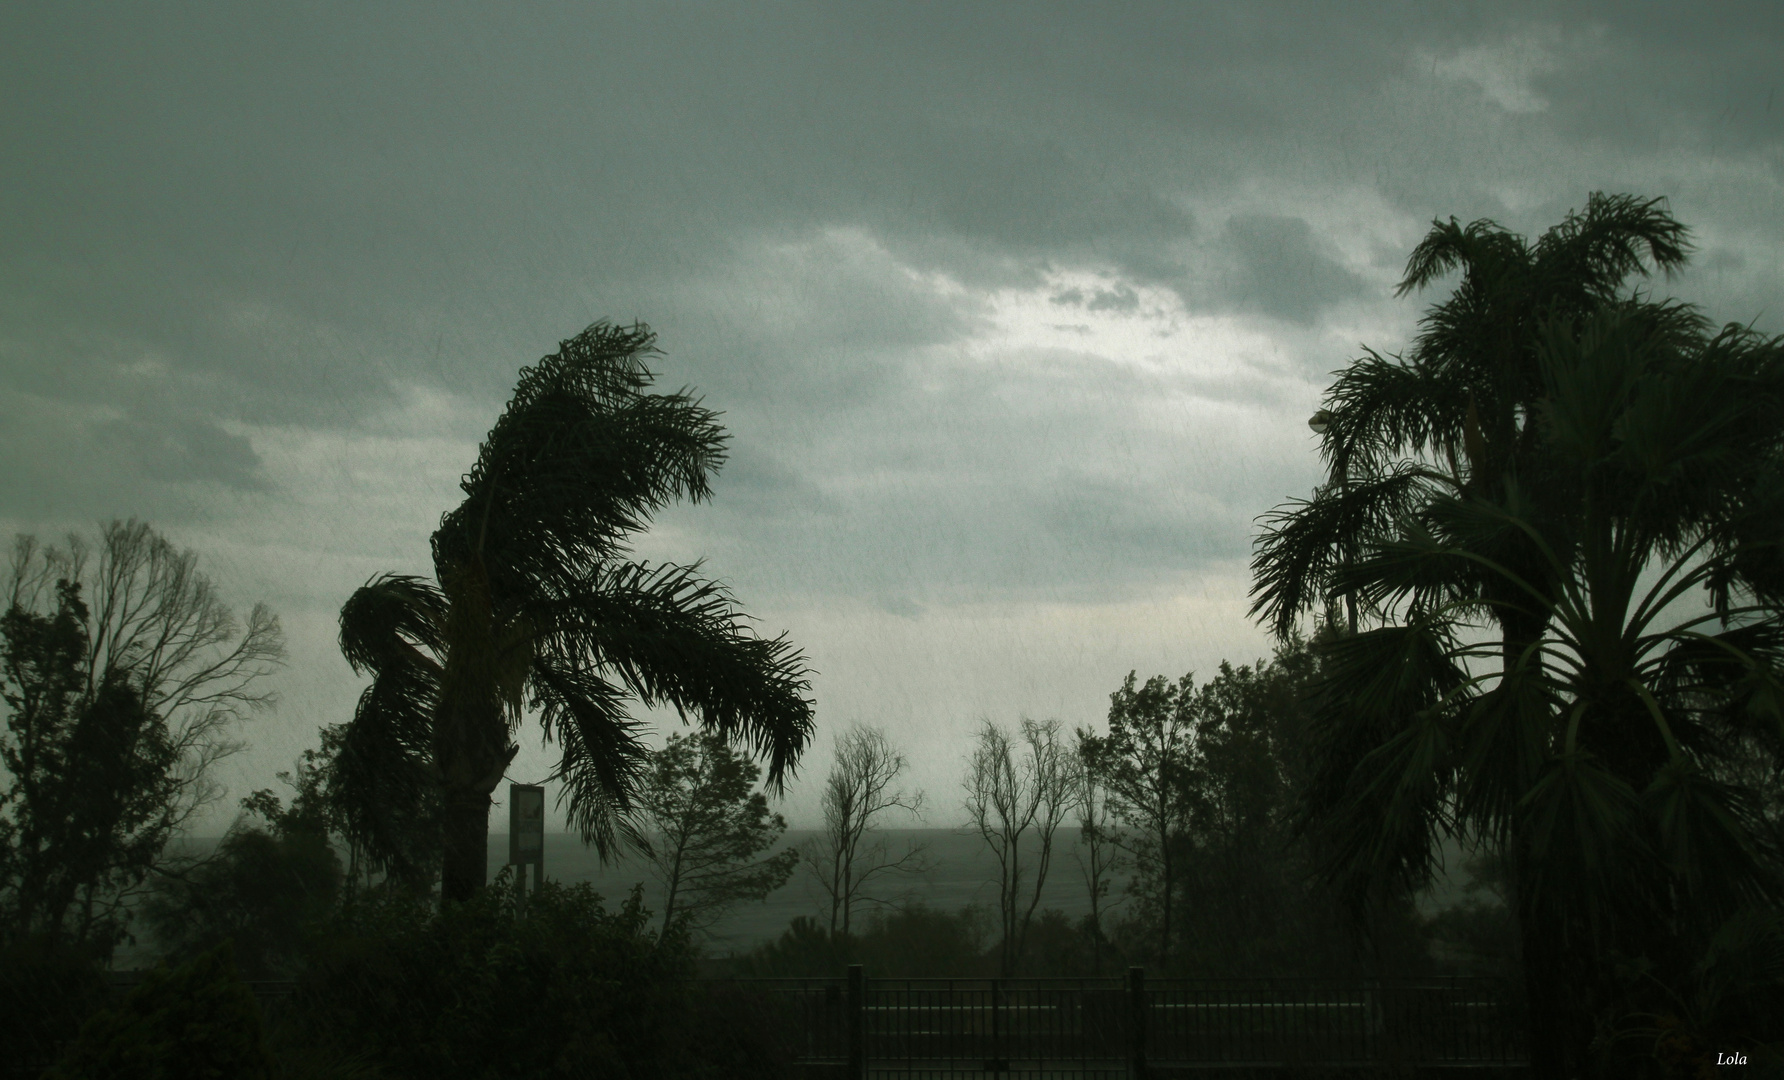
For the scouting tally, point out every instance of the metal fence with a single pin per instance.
(1097, 1028)
(1085, 1029)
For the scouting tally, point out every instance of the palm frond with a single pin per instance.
(1379, 754)
(1710, 836)
(1481, 247)
(1382, 409)
(1581, 827)
(1506, 736)
(384, 619)
(676, 639)
(381, 768)
(1302, 545)
(602, 757)
(1596, 250)
(580, 459)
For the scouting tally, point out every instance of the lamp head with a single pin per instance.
(1320, 421)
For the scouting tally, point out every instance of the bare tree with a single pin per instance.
(858, 794)
(125, 676)
(1099, 855)
(1009, 791)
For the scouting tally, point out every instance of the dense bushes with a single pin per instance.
(915, 941)
(198, 1021)
(47, 991)
(478, 990)
(269, 892)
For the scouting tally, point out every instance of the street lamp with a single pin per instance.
(1321, 422)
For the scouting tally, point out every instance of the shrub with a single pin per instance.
(194, 1022)
(479, 990)
(47, 991)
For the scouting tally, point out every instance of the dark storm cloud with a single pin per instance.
(290, 217)
(428, 193)
(399, 191)
(1701, 77)
(1277, 267)
(267, 274)
(180, 448)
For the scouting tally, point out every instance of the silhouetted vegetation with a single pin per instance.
(195, 1020)
(860, 792)
(1596, 480)
(474, 989)
(534, 604)
(705, 827)
(123, 673)
(1016, 787)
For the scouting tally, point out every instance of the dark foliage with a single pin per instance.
(198, 1021)
(47, 991)
(910, 942)
(270, 890)
(91, 799)
(536, 604)
(571, 989)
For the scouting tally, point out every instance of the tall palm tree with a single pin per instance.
(535, 604)
(1602, 757)
(1457, 417)
(1455, 414)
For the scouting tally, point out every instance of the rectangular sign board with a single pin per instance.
(526, 824)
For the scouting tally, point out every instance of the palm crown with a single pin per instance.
(535, 604)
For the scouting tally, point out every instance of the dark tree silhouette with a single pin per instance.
(1549, 442)
(536, 604)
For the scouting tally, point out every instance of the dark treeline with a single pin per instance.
(1547, 596)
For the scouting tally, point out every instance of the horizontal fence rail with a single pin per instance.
(1125, 1027)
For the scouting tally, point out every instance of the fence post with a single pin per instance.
(857, 1023)
(1136, 1023)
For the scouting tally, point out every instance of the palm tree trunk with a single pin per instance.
(1544, 995)
(465, 860)
(1539, 944)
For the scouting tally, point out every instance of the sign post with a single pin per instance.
(526, 834)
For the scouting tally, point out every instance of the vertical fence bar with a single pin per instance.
(857, 1006)
(1136, 1023)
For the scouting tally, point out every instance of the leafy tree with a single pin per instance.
(269, 890)
(535, 604)
(706, 826)
(1145, 761)
(1011, 791)
(1596, 757)
(117, 713)
(321, 806)
(858, 794)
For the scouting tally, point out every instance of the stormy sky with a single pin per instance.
(1015, 312)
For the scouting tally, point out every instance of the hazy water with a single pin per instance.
(962, 872)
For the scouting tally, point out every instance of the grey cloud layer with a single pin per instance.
(235, 217)
(1015, 311)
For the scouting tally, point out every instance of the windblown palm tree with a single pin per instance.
(1457, 448)
(1600, 759)
(535, 604)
